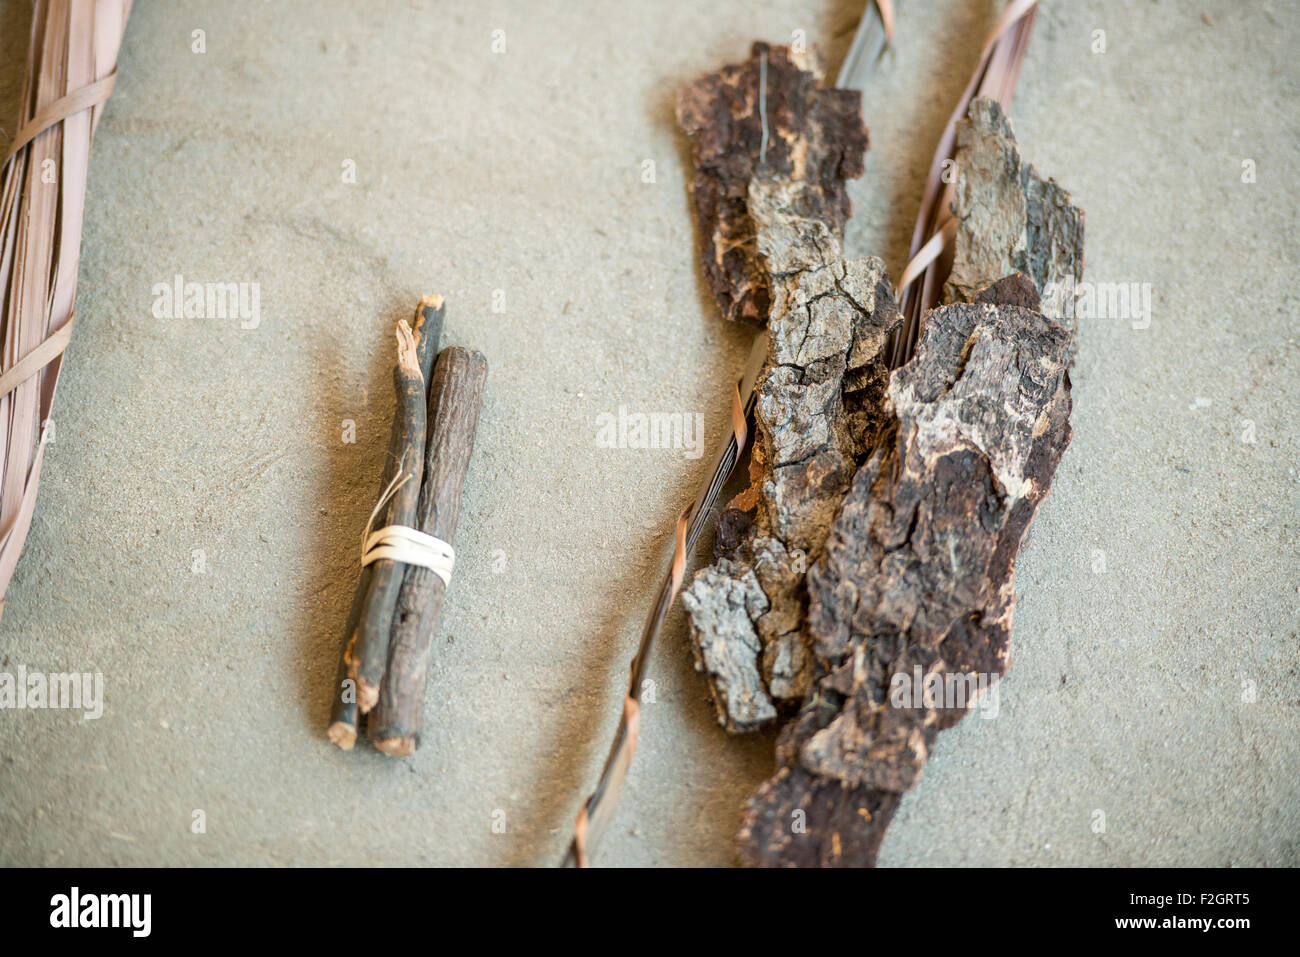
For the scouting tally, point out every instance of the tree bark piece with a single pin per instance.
(724, 602)
(370, 617)
(910, 506)
(455, 396)
(819, 409)
(1010, 219)
(769, 119)
(917, 578)
(772, 151)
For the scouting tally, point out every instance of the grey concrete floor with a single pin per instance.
(1155, 647)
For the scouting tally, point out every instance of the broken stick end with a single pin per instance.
(367, 695)
(402, 747)
(407, 359)
(343, 734)
(427, 325)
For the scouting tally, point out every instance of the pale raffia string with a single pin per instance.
(403, 544)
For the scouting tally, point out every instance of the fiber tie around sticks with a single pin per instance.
(401, 543)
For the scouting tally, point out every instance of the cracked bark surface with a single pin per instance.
(878, 536)
(917, 573)
(771, 212)
(1010, 219)
(916, 582)
(768, 123)
(819, 409)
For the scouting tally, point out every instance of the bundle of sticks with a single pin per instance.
(406, 563)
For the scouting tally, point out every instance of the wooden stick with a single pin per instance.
(343, 713)
(370, 656)
(365, 649)
(454, 399)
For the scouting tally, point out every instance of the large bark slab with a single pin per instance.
(917, 573)
(915, 586)
(772, 150)
(878, 536)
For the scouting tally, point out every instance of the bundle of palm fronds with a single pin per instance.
(71, 66)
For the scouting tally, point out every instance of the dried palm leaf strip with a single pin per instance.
(921, 282)
(597, 810)
(72, 59)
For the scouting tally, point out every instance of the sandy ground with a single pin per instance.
(197, 534)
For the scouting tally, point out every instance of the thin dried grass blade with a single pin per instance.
(995, 76)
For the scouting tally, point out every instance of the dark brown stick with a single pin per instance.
(370, 655)
(343, 713)
(454, 399)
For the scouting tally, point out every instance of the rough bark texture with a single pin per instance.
(1010, 219)
(908, 507)
(771, 216)
(455, 395)
(769, 120)
(819, 410)
(917, 573)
